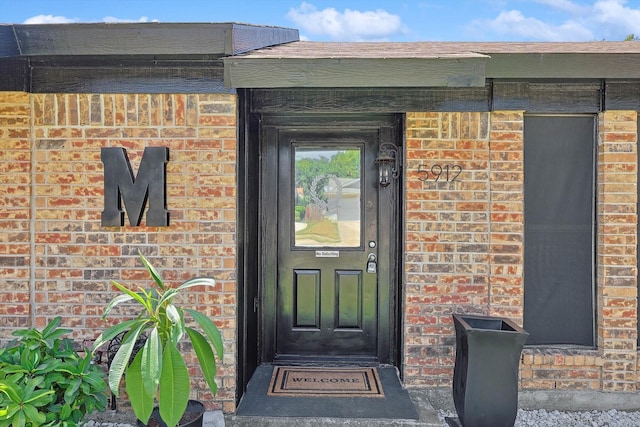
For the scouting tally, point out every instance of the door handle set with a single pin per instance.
(372, 263)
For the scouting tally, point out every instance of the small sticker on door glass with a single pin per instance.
(327, 254)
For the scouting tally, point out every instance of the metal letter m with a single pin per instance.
(121, 185)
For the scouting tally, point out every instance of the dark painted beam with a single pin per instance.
(140, 39)
(14, 74)
(355, 72)
(370, 100)
(547, 96)
(564, 66)
(622, 95)
(140, 79)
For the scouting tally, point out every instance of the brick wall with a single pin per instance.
(15, 211)
(617, 262)
(74, 256)
(464, 248)
(463, 238)
(447, 236)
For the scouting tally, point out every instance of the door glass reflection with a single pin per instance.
(327, 197)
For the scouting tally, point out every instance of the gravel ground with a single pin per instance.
(543, 418)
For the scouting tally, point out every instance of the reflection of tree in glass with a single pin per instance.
(317, 167)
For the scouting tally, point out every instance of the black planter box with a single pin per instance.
(485, 376)
(193, 416)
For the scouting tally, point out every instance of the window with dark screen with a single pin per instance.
(559, 209)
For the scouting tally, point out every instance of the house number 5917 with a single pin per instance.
(437, 172)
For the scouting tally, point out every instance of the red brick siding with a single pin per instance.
(15, 211)
(75, 257)
(464, 248)
(617, 298)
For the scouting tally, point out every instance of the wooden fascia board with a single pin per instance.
(564, 65)
(120, 39)
(246, 38)
(354, 72)
(164, 39)
(8, 43)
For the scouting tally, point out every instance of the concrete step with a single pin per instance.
(427, 418)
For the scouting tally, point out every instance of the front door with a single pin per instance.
(328, 299)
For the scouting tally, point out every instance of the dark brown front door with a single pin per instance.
(327, 297)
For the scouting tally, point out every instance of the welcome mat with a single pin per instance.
(326, 381)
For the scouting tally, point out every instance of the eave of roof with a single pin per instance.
(425, 64)
(131, 39)
(273, 57)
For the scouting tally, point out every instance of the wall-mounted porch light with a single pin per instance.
(387, 161)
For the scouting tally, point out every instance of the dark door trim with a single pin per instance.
(388, 125)
(254, 342)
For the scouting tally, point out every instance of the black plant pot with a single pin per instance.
(485, 375)
(193, 416)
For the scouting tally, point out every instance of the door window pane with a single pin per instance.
(327, 202)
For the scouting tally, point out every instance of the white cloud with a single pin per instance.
(113, 19)
(350, 25)
(565, 6)
(514, 23)
(599, 20)
(617, 19)
(49, 19)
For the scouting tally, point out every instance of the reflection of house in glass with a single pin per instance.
(344, 202)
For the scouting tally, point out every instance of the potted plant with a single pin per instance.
(158, 371)
(44, 381)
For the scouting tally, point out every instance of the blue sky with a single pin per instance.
(363, 20)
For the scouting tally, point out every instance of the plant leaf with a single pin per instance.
(54, 323)
(205, 357)
(122, 298)
(197, 281)
(141, 403)
(33, 415)
(12, 391)
(18, 419)
(114, 331)
(152, 271)
(174, 386)
(115, 301)
(122, 357)
(151, 363)
(71, 392)
(210, 329)
(173, 314)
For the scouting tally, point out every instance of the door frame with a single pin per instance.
(256, 340)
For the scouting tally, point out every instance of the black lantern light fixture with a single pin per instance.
(387, 161)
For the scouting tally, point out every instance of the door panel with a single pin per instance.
(326, 300)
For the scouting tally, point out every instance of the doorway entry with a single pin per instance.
(330, 239)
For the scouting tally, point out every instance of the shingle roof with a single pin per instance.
(427, 64)
(309, 50)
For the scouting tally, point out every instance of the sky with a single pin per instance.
(363, 20)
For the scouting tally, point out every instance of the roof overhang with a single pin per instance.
(457, 70)
(150, 38)
(427, 64)
(148, 56)
(201, 57)
(597, 65)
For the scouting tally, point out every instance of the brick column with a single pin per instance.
(447, 236)
(506, 233)
(15, 207)
(617, 259)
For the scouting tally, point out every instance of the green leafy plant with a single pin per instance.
(158, 370)
(45, 382)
